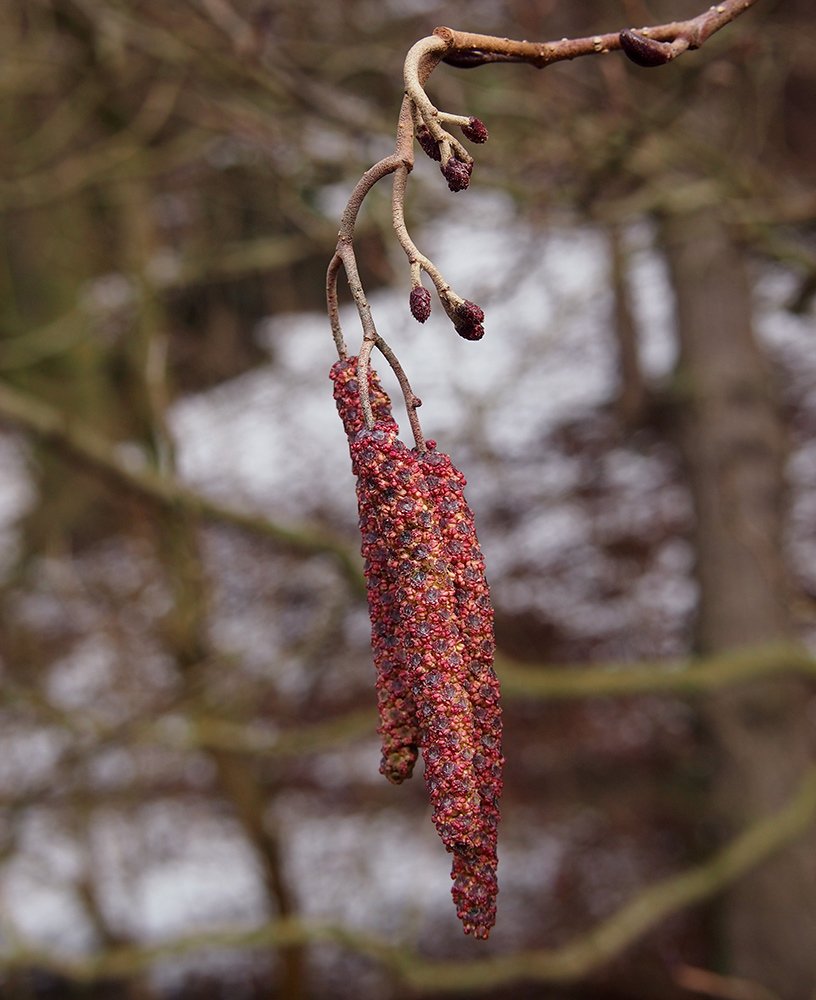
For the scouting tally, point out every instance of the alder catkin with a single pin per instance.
(429, 145)
(398, 728)
(475, 130)
(421, 604)
(432, 638)
(468, 321)
(475, 883)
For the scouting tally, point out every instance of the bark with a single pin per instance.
(632, 396)
(732, 437)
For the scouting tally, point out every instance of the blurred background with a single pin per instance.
(189, 797)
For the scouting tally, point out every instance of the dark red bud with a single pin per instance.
(469, 312)
(475, 130)
(420, 303)
(457, 174)
(468, 321)
(645, 51)
(428, 143)
(471, 331)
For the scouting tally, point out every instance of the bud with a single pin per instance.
(457, 174)
(469, 312)
(475, 130)
(468, 321)
(645, 51)
(428, 143)
(420, 303)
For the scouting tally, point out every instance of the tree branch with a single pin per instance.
(675, 677)
(648, 46)
(83, 444)
(466, 50)
(570, 963)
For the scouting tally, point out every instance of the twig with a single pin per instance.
(648, 46)
(681, 35)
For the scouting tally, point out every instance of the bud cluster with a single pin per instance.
(456, 164)
(457, 173)
(432, 637)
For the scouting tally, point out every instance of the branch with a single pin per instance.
(649, 46)
(419, 119)
(523, 683)
(80, 442)
(677, 677)
(570, 963)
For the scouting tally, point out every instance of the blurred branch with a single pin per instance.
(238, 259)
(83, 444)
(677, 677)
(525, 682)
(74, 172)
(262, 740)
(710, 984)
(570, 963)
(632, 392)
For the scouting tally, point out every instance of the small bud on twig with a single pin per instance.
(420, 303)
(429, 145)
(475, 130)
(468, 321)
(457, 174)
(645, 51)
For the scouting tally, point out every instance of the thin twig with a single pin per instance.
(412, 401)
(649, 46)
(447, 296)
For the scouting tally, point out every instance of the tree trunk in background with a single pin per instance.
(733, 442)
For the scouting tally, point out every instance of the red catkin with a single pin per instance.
(432, 638)
(429, 145)
(468, 321)
(398, 728)
(457, 173)
(422, 605)
(474, 872)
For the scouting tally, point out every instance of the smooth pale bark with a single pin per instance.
(732, 437)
